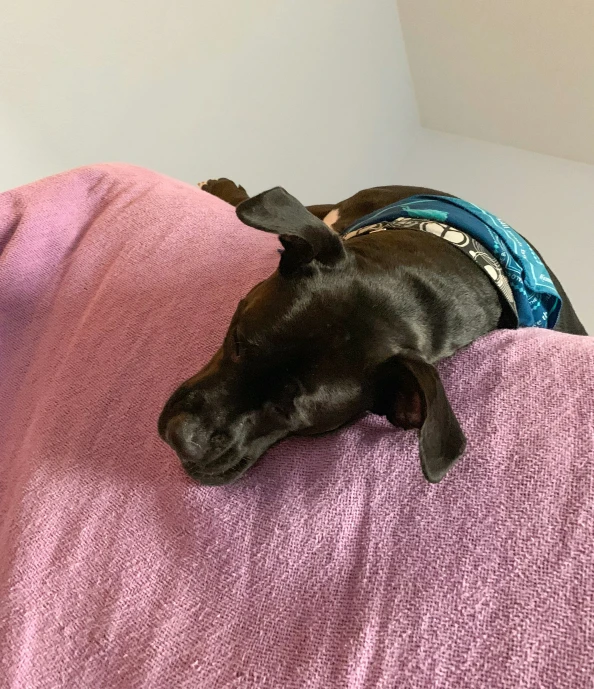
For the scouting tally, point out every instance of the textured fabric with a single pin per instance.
(537, 301)
(332, 564)
(467, 244)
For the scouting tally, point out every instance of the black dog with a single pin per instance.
(340, 329)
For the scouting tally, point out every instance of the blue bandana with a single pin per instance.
(538, 302)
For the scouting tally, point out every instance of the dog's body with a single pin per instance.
(342, 215)
(340, 329)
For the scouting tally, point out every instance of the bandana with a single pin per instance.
(506, 257)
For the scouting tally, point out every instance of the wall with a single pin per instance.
(548, 200)
(312, 95)
(513, 72)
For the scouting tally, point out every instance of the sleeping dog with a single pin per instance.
(348, 324)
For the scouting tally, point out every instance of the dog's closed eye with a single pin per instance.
(238, 346)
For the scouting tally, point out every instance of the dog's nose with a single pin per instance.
(195, 443)
(186, 437)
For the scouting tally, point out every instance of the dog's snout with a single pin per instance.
(195, 443)
(185, 399)
(183, 403)
(185, 436)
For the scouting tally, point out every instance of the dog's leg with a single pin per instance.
(226, 190)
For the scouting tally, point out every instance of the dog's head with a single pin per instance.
(309, 349)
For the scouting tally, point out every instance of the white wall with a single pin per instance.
(548, 200)
(514, 72)
(309, 94)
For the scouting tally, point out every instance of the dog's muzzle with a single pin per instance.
(209, 455)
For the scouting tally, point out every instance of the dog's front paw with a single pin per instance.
(225, 189)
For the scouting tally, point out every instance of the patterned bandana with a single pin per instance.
(510, 261)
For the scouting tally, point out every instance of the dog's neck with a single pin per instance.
(430, 297)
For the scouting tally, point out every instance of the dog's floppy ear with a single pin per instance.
(303, 236)
(410, 394)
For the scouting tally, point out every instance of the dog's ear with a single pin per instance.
(303, 236)
(410, 394)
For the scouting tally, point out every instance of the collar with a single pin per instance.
(467, 244)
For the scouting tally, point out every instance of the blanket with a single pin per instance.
(332, 563)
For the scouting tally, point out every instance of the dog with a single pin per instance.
(340, 329)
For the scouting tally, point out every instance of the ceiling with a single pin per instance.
(514, 72)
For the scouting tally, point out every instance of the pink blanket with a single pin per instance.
(333, 564)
